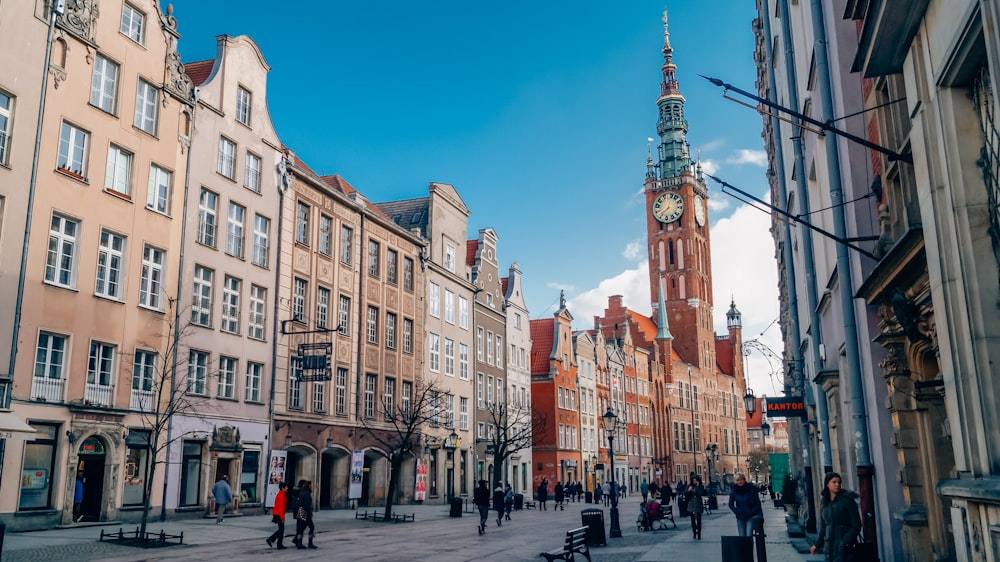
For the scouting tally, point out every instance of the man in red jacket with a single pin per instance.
(278, 516)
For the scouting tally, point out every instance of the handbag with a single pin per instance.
(300, 514)
(856, 551)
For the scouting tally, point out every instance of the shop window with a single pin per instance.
(191, 474)
(39, 463)
(248, 478)
(136, 467)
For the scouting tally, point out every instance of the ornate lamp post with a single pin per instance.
(450, 444)
(610, 421)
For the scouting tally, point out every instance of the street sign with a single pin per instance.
(786, 407)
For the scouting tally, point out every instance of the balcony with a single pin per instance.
(46, 389)
(141, 400)
(98, 394)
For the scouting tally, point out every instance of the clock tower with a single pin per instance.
(677, 227)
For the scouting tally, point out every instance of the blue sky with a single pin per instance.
(538, 113)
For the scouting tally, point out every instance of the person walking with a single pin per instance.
(839, 521)
(744, 502)
(508, 502)
(543, 493)
(644, 489)
(481, 497)
(223, 495)
(597, 494)
(499, 498)
(606, 492)
(560, 495)
(304, 517)
(278, 516)
(681, 499)
(694, 495)
(78, 497)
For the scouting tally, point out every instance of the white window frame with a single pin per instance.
(299, 289)
(74, 143)
(251, 172)
(258, 313)
(151, 280)
(133, 23)
(463, 413)
(6, 120)
(226, 387)
(227, 158)
(370, 385)
(118, 173)
(407, 335)
(343, 313)
(61, 257)
(235, 229)
(346, 243)
(110, 265)
(371, 318)
(302, 212)
(463, 361)
(104, 84)
(341, 391)
(434, 347)
(391, 321)
(197, 372)
(449, 357)
(388, 396)
(434, 299)
(325, 234)
(255, 372)
(231, 287)
(449, 257)
(158, 193)
(146, 96)
(243, 102)
(449, 306)
(463, 313)
(201, 296)
(322, 307)
(53, 363)
(261, 234)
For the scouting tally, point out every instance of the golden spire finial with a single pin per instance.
(666, 32)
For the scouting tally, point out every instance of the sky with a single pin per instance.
(539, 114)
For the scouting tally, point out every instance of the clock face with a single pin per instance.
(668, 207)
(699, 210)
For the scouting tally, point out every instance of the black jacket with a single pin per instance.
(839, 524)
(481, 496)
(306, 503)
(745, 502)
(498, 498)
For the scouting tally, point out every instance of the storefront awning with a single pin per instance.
(11, 427)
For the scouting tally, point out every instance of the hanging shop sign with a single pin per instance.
(786, 407)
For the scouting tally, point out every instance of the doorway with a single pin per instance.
(91, 467)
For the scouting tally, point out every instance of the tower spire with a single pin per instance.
(672, 127)
(669, 85)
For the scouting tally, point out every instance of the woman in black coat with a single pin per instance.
(543, 493)
(839, 521)
(499, 498)
(696, 506)
(306, 505)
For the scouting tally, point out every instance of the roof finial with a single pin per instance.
(666, 33)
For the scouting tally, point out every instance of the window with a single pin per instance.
(295, 388)
(227, 377)
(104, 84)
(191, 469)
(251, 176)
(463, 413)
(341, 390)
(463, 361)
(143, 371)
(372, 320)
(373, 255)
(346, 241)
(390, 330)
(322, 307)
(145, 107)
(449, 357)
(434, 299)
(261, 228)
(388, 394)
(258, 298)
(370, 381)
(479, 391)
(405, 399)
(434, 346)
(449, 306)
(517, 321)
(248, 478)
(463, 312)
(110, 259)
(60, 260)
(39, 463)
(319, 396)
(302, 223)
(6, 110)
(118, 174)
(243, 105)
(449, 258)
(499, 344)
(201, 298)
(408, 275)
(73, 145)
(234, 230)
(299, 300)
(489, 390)
(479, 344)
(207, 208)
(151, 283)
(407, 335)
(231, 304)
(50, 357)
(227, 157)
(325, 234)
(158, 194)
(136, 465)
(197, 373)
(344, 314)
(255, 372)
(391, 266)
(132, 23)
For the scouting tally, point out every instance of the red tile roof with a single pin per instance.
(503, 284)
(754, 420)
(724, 355)
(471, 247)
(542, 335)
(199, 71)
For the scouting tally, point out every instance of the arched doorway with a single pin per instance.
(335, 478)
(373, 483)
(91, 467)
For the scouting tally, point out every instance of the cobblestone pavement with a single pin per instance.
(434, 536)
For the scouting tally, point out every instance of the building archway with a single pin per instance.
(375, 479)
(91, 467)
(335, 478)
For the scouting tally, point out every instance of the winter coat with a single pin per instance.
(280, 501)
(543, 492)
(481, 496)
(694, 496)
(559, 493)
(306, 503)
(839, 524)
(745, 503)
(499, 496)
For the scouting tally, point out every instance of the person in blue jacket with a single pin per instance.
(744, 501)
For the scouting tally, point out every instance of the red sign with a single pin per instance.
(787, 407)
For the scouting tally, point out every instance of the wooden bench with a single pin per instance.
(375, 515)
(530, 504)
(576, 541)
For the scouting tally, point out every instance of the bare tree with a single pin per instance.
(509, 430)
(162, 387)
(400, 430)
(759, 462)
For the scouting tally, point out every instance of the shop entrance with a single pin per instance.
(91, 467)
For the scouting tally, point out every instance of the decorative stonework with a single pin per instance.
(80, 19)
(227, 439)
(178, 83)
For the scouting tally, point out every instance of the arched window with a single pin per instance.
(670, 250)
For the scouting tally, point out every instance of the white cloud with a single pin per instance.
(709, 166)
(747, 156)
(633, 250)
(743, 270)
(561, 286)
(719, 203)
(711, 145)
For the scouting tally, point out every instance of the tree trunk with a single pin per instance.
(394, 466)
(150, 473)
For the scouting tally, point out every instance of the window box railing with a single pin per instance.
(46, 389)
(98, 394)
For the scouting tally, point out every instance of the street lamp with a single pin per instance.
(450, 444)
(610, 421)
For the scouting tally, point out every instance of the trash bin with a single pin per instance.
(456, 507)
(593, 519)
(682, 506)
(588, 497)
(518, 502)
(737, 549)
